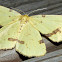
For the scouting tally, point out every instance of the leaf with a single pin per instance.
(49, 25)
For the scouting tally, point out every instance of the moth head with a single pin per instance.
(24, 18)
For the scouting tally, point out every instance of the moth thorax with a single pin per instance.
(24, 18)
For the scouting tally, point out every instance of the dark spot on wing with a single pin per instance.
(22, 42)
(1, 26)
(26, 21)
(41, 41)
(54, 32)
(21, 25)
(48, 35)
(20, 28)
(10, 10)
(43, 15)
(12, 39)
(9, 16)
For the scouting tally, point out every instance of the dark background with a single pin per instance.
(53, 6)
(54, 53)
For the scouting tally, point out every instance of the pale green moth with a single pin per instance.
(22, 31)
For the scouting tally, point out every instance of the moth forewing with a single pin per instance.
(7, 15)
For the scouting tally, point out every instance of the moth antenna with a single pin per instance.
(36, 10)
(18, 10)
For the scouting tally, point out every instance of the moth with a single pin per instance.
(23, 31)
